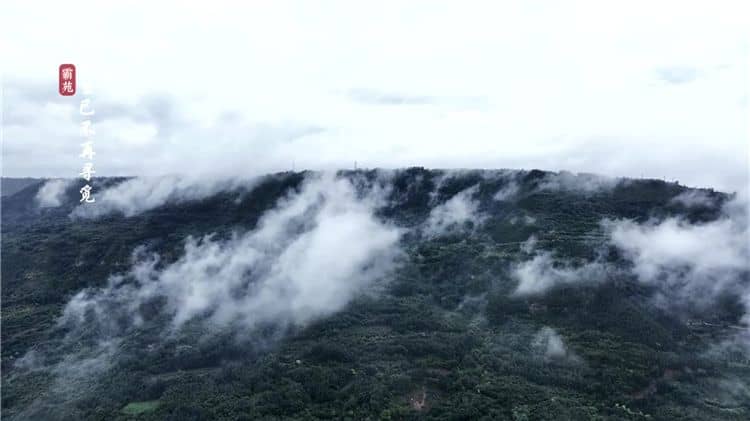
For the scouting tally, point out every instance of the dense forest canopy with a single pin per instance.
(375, 294)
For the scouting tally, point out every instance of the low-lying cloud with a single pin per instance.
(52, 193)
(694, 198)
(690, 263)
(544, 272)
(307, 259)
(507, 192)
(582, 183)
(453, 214)
(141, 194)
(693, 266)
(550, 345)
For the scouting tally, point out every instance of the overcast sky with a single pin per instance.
(655, 89)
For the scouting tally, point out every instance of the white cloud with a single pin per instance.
(438, 84)
(694, 198)
(543, 272)
(453, 214)
(550, 344)
(72, 378)
(529, 245)
(507, 192)
(580, 183)
(692, 265)
(689, 262)
(140, 194)
(52, 193)
(306, 259)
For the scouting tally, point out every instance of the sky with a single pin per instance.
(636, 89)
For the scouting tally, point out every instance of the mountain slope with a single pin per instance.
(373, 294)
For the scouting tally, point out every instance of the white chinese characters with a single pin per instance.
(87, 152)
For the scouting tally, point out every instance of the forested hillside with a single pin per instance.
(11, 185)
(375, 294)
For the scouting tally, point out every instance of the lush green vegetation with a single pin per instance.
(445, 340)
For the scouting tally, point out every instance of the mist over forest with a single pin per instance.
(376, 294)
